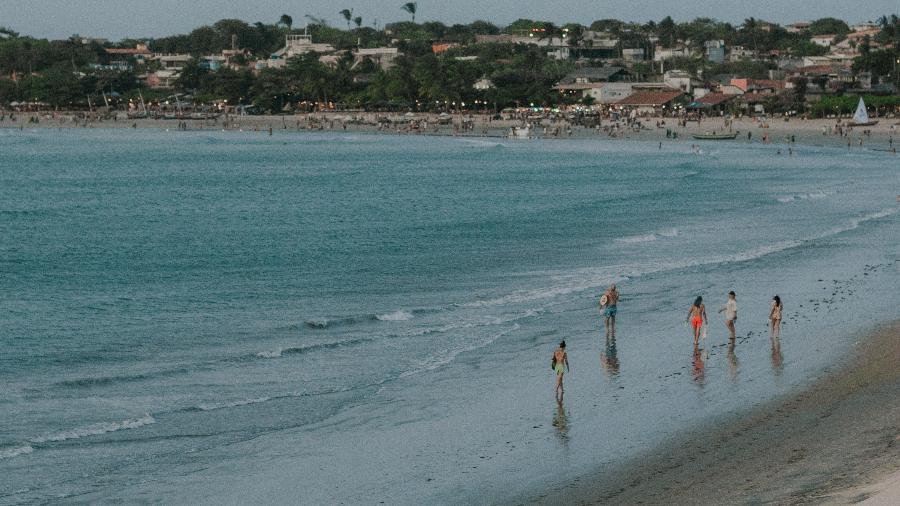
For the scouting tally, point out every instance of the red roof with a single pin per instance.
(820, 69)
(651, 98)
(715, 98)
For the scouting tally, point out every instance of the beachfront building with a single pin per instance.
(711, 104)
(590, 82)
(647, 102)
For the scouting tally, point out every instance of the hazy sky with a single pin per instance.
(116, 19)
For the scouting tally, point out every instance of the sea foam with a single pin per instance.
(96, 429)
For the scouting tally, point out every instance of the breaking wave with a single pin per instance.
(96, 430)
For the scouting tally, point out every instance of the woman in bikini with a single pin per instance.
(697, 317)
(775, 317)
(559, 359)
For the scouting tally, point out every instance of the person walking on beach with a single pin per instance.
(608, 306)
(730, 310)
(697, 317)
(559, 360)
(775, 317)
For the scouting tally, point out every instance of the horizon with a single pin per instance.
(56, 19)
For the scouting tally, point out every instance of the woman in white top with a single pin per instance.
(730, 309)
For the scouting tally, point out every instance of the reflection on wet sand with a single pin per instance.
(733, 364)
(609, 359)
(777, 357)
(699, 366)
(560, 421)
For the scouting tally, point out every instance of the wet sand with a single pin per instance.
(837, 442)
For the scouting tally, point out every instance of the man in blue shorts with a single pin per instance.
(608, 302)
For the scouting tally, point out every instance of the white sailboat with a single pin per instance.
(861, 117)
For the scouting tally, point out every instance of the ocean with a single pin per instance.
(319, 318)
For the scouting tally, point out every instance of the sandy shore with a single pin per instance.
(778, 132)
(837, 442)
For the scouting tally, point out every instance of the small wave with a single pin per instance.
(440, 361)
(636, 239)
(8, 453)
(296, 350)
(804, 196)
(482, 144)
(235, 404)
(396, 316)
(100, 381)
(327, 323)
(96, 430)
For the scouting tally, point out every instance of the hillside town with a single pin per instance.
(701, 68)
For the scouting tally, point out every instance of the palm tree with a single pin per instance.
(752, 26)
(358, 21)
(411, 7)
(348, 15)
(286, 21)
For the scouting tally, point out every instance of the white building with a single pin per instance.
(382, 56)
(823, 40)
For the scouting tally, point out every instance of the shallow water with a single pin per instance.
(233, 317)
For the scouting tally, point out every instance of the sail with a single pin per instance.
(861, 115)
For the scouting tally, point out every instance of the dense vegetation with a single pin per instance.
(69, 72)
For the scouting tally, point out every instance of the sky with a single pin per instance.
(118, 19)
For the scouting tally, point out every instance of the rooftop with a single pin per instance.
(650, 98)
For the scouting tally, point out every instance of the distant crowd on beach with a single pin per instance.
(696, 318)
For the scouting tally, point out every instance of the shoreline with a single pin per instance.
(776, 132)
(834, 442)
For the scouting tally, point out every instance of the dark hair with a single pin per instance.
(732, 293)
(777, 300)
(562, 344)
(698, 301)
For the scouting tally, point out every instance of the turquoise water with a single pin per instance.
(231, 317)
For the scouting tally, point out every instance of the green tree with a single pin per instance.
(286, 20)
(829, 26)
(347, 14)
(411, 8)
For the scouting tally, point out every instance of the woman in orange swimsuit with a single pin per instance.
(697, 317)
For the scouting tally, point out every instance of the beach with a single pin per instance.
(330, 316)
(836, 442)
(779, 132)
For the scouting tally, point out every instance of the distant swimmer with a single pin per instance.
(730, 310)
(697, 317)
(559, 360)
(775, 317)
(608, 306)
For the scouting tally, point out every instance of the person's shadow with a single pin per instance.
(777, 357)
(609, 358)
(734, 365)
(561, 421)
(698, 363)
